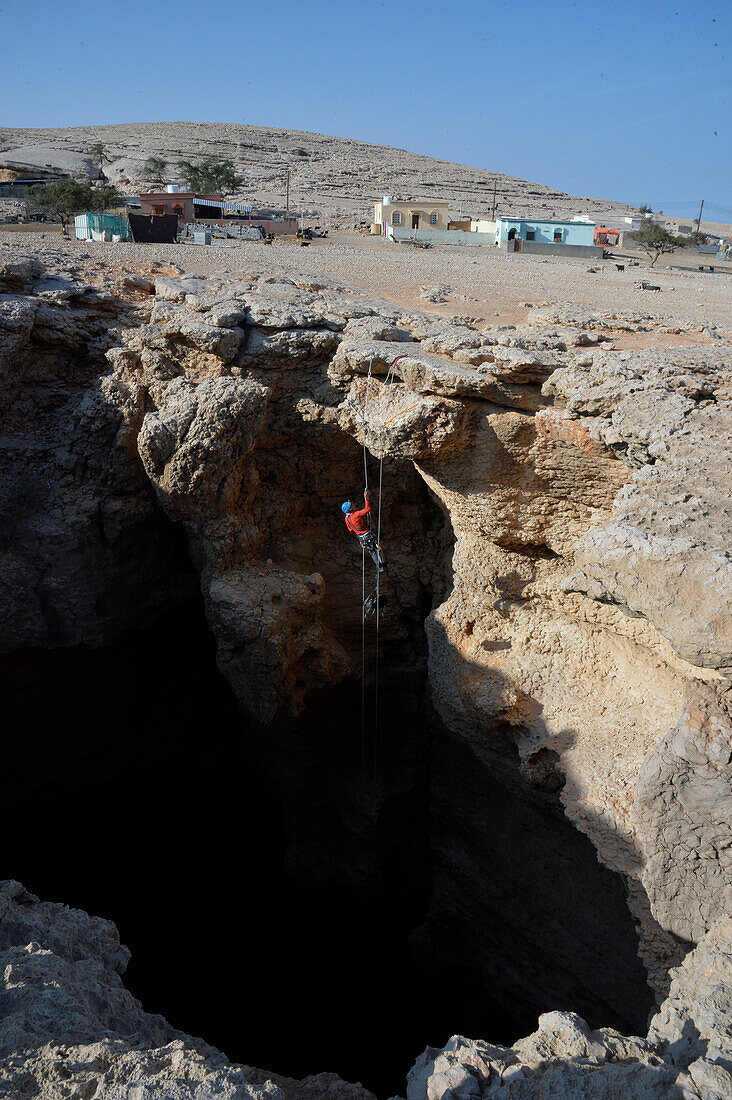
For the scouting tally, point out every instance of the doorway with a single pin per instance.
(415, 221)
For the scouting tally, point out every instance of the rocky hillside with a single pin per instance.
(556, 520)
(334, 178)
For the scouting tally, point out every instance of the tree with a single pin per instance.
(67, 197)
(154, 168)
(653, 239)
(99, 152)
(103, 197)
(211, 176)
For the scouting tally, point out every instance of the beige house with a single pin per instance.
(411, 214)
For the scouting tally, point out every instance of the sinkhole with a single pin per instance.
(303, 898)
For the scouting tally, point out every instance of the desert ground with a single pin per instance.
(483, 284)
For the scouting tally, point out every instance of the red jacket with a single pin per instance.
(355, 520)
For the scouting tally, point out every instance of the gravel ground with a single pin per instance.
(480, 282)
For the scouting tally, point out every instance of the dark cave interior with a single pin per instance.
(277, 894)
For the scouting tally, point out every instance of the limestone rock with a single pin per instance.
(194, 445)
(374, 328)
(84, 552)
(687, 1052)
(70, 1028)
(682, 808)
(665, 555)
(238, 413)
(693, 1024)
(272, 643)
(393, 420)
(428, 374)
(20, 274)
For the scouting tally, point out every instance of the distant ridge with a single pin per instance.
(332, 177)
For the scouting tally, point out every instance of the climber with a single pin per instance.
(356, 522)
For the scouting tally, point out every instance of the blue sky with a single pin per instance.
(623, 99)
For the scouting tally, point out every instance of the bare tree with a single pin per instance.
(654, 240)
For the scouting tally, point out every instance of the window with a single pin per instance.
(530, 234)
(396, 218)
(557, 236)
(433, 219)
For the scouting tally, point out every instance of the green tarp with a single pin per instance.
(110, 223)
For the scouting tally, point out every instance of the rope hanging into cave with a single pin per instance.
(389, 381)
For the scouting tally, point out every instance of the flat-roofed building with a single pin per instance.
(186, 204)
(544, 232)
(192, 208)
(411, 213)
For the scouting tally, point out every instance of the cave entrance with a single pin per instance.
(150, 806)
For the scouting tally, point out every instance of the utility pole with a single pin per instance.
(493, 211)
(287, 201)
(698, 220)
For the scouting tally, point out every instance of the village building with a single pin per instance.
(212, 210)
(411, 214)
(544, 232)
(624, 223)
(483, 225)
(185, 204)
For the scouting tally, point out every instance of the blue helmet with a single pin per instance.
(346, 506)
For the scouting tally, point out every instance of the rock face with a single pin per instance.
(683, 806)
(687, 1052)
(666, 553)
(85, 553)
(560, 515)
(69, 1028)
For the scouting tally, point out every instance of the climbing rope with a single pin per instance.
(362, 415)
(388, 384)
(363, 593)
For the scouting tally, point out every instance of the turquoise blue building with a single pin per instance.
(545, 232)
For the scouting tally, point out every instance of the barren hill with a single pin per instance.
(331, 177)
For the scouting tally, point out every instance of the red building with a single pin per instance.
(214, 210)
(182, 203)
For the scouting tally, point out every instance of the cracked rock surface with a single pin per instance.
(666, 553)
(580, 638)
